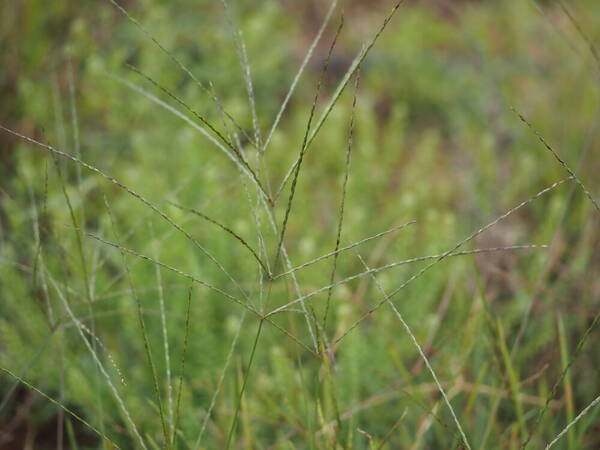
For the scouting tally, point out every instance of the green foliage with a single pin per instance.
(435, 142)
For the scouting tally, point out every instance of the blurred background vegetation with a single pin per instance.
(435, 141)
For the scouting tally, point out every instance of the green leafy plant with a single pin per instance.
(231, 225)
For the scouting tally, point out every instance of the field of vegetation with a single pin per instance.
(299, 224)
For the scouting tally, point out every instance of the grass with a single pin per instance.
(299, 225)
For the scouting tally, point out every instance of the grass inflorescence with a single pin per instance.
(199, 235)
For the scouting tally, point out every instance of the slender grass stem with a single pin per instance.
(244, 384)
(60, 405)
(144, 332)
(304, 146)
(182, 366)
(421, 353)
(343, 200)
